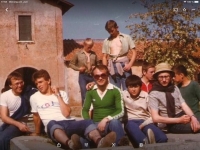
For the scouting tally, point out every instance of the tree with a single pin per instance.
(168, 35)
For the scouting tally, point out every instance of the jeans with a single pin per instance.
(119, 80)
(83, 80)
(181, 128)
(7, 134)
(114, 125)
(137, 136)
(81, 128)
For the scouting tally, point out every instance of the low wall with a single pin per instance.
(175, 142)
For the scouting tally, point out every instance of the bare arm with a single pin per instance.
(194, 122)
(159, 119)
(132, 60)
(65, 108)
(37, 122)
(186, 109)
(104, 59)
(134, 54)
(7, 119)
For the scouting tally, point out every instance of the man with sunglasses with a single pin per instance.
(107, 103)
(15, 107)
(167, 105)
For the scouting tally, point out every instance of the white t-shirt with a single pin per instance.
(8, 99)
(48, 107)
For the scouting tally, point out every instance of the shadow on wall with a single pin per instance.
(27, 73)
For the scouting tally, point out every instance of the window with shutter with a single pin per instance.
(25, 28)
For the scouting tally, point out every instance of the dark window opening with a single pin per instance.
(27, 73)
(25, 28)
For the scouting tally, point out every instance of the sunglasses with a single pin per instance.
(103, 76)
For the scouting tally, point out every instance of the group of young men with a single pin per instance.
(144, 107)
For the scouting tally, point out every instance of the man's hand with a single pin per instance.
(82, 69)
(184, 119)
(22, 127)
(102, 125)
(194, 124)
(90, 85)
(127, 67)
(55, 89)
(141, 126)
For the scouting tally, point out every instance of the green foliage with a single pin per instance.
(169, 36)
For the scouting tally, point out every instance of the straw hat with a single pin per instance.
(163, 67)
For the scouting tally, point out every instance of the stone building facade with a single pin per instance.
(31, 38)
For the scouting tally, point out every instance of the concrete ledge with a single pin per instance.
(175, 142)
(183, 137)
(32, 143)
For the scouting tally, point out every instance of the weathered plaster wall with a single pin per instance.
(45, 52)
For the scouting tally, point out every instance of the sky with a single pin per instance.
(87, 18)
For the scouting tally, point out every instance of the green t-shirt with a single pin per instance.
(110, 105)
(191, 95)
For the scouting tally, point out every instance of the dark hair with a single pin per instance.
(110, 24)
(133, 80)
(100, 67)
(41, 74)
(180, 69)
(14, 75)
(146, 66)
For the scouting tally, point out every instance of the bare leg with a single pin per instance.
(73, 143)
(60, 136)
(106, 141)
(95, 136)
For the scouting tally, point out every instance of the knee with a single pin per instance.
(162, 139)
(129, 124)
(50, 124)
(115, 123)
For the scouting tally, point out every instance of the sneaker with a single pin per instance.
(108, 140)
(75, 143)
(123, 141)
(151, 136)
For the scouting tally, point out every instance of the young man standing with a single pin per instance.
(15, 108)
(167, 105)
(190, 90)
(51, 106)
(107, 103)
(138, 122)
(115, 50)
(147, 76)
(83, 62)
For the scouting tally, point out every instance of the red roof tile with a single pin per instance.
(72, 46)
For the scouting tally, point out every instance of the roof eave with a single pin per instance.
(63, 4)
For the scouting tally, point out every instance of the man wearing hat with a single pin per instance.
(167, 105)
